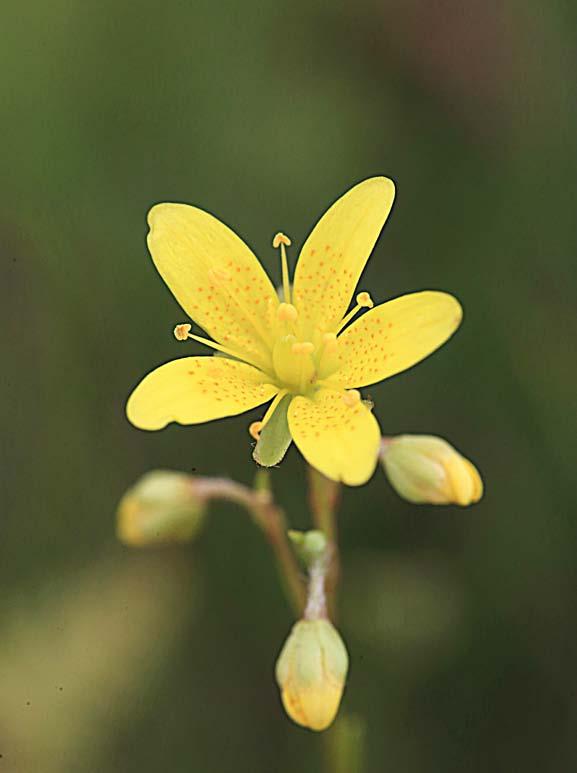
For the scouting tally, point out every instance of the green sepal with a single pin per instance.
(275, 438)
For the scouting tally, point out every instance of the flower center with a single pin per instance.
(299, 359)
(298, 364)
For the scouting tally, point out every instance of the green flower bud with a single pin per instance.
(311, 546)
(427, 469)
(311, 672)
(162, 507)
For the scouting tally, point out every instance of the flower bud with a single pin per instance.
(310, 546)
(427, 469)
(311, 671)
(161, 507)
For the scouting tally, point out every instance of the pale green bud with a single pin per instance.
(311, 672)
(427, 469)
(311, 545)
(161, 507)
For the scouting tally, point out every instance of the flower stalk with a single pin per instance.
(324, 497)
(344, 745)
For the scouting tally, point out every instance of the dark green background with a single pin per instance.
(461, 624)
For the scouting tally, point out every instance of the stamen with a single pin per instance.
(255, 429)
(303, 347)
(181, 331)
(286, 312)
(280, 240)
(272, 407)
(364, 301)
(352, 398)
(257, 426)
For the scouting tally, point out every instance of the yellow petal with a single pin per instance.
(335, 253)
(396, 335)
(215, 277)
(196, 389)
(339, 439)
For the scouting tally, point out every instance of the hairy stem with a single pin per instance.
(324, 495)
(316, 608)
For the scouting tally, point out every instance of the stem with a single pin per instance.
(323, 499)
(270, 518)
(344, 745)
(316, 608)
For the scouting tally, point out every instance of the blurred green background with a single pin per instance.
(461, 623)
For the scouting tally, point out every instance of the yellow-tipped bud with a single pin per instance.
(427, 469)
(161, 507)
(311, 672)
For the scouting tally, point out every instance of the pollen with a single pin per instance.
(279, 239)
(364, 300)
(286, 312)
(255, 429)
(352, 398)
(182, 331)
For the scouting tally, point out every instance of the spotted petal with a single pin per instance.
(339, 440)
(396, 335)
(193, 390)
(335, 253)
(215, 277)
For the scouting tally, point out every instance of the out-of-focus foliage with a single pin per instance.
(80, 660)
(263, 113)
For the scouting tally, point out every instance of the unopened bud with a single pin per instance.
(311, 672)
(162, 507)
(311, 546)
(427, 469)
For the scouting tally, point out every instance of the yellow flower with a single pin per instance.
(296, 344)
(311, 672)
(427, 469)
